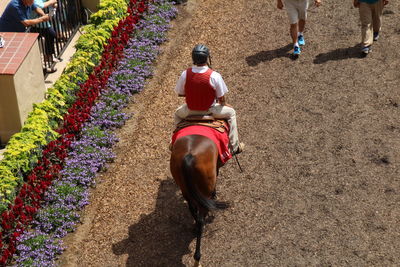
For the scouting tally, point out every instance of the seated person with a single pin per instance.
(16, 16)
(204, 91)
(47, 32)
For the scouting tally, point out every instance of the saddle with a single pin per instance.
(203, 120)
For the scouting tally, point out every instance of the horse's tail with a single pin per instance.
(188, 176)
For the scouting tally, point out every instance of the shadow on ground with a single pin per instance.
(339, 54)
(263, 56)
(161, 238)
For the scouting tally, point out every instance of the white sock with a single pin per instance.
(300, 33)
(296, 44)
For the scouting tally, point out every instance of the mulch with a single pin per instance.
(321, 183)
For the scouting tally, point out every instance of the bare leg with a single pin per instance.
(293, 32)
(302, 24)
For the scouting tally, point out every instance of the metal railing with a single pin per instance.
(56, 35)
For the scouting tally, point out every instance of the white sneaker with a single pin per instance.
(239, 149)
(366, 50)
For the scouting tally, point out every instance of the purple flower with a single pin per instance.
(91, 153)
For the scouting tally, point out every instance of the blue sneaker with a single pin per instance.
(376, 36)
(300, 40)
(296, 50)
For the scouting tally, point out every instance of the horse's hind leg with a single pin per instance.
(193, 211)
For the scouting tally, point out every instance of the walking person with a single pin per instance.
(371, 21)
(297, 13)
(204, 91)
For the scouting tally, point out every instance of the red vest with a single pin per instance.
(200, 95)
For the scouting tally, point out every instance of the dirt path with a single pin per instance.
(321, 185)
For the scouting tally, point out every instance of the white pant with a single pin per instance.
(219, 112)
(296, 9)
(370, 16)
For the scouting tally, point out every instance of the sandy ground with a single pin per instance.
(321, 182)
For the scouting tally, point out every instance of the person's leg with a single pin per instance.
(302, 9)
(293, 15)
(300, 34)
(43, 39)
(293, 32)
(302, 25)
(377, 11)
(366, 24)
(228, 113)
(181, 113)
(50, 39)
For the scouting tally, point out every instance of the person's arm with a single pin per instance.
(180, 85)
(40, 11)
(220, 88)
(279, 4)
(30, 22)
(50, 3)
(221, 100)
(356, 3)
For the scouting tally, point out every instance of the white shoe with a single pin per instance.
(239, 149)
(366, 50)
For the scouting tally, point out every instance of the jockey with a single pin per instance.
(204, 91)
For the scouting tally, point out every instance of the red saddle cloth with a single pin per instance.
(221, 140)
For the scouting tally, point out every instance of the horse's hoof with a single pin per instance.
(197, 264)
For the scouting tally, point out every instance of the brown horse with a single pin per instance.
(194, 165)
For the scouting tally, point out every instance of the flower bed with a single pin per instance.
(28, 200)
(56, 191)
(25, 148)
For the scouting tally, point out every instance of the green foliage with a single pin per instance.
(7, 186)
(98, 135)
(109, 10)
(134, 62)
(58, 215)
(24, 148)
(157, 19)
(69, 191)
(36, 242)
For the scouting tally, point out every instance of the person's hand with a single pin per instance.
(280, 4)
(45, 18)
(385, 2)
(356, 3)
(317, 3)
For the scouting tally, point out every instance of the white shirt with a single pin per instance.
(216, 81)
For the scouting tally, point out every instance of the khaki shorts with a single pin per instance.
(296, 9)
